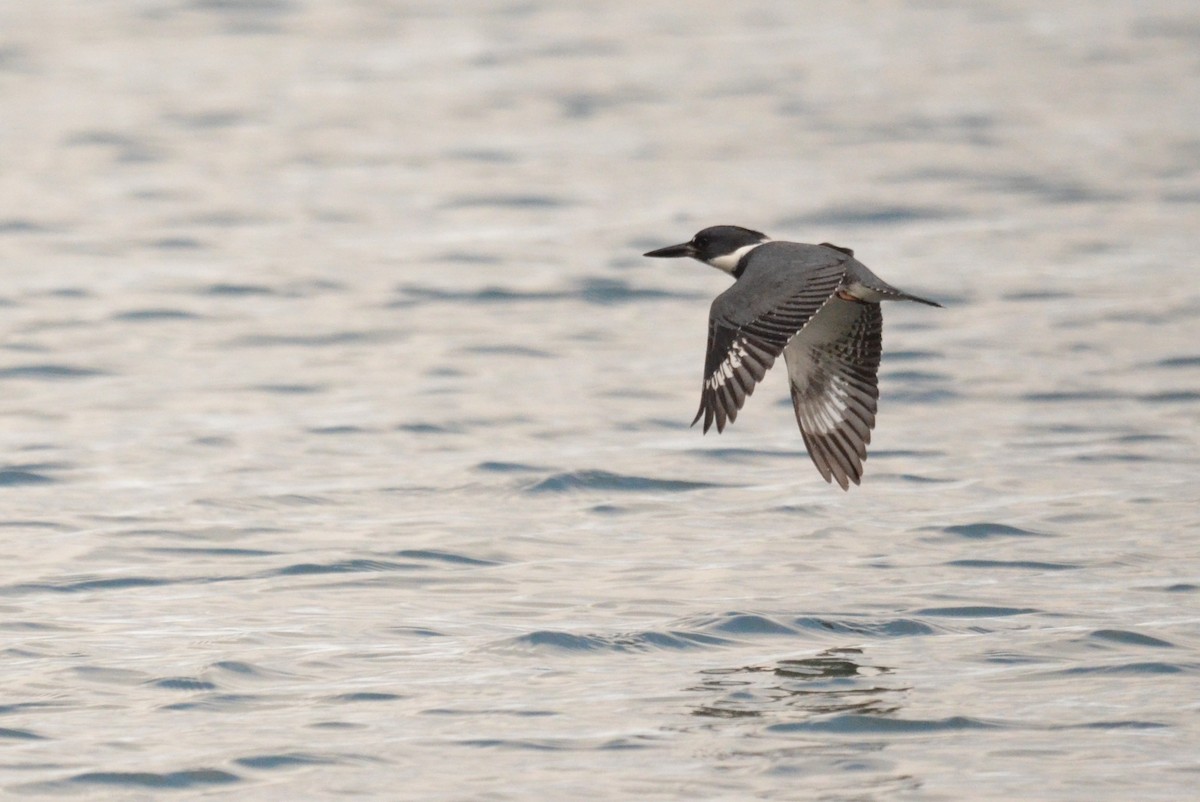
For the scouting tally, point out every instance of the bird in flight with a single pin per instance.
(819, 307)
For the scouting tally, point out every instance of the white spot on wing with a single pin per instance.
(724, 372)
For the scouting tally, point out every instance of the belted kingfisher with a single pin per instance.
(819, 307)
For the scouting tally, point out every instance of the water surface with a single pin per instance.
(345, 429)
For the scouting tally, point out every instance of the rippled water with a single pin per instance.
(345, 429)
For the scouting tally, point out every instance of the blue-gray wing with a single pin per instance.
(751, 322)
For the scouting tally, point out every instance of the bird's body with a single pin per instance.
(816, 305)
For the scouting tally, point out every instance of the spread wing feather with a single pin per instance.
(750, 324)
(833, 365)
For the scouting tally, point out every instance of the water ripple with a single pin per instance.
(1030, 565)
(625, 642)
(604, 480)
(49, 372)
(193, 778)
(988, 529)
(859, 724)
(17, 476)
(1130, 638)
(285, 760)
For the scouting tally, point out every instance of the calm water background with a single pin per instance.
(345, 430)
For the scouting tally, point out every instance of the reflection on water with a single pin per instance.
(835, 681)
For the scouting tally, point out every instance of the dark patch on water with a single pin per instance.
(1143, 438)
(11, 734)
(508, 350)
(507, 467)
(154, 315)
(365, 696)
(18, 225)
(175, 244)
(929, 480)
(747, 454)
(20, 524)
(238, 667)
(446, 711)
(49, 372)
(427, 428)
(600, 291)
(604, 480)
(283, 761)
(231, 219)
(915, 376)
(1165, 26)
(125, 149)
(858, 724)
(582, 105)
(236, 290)
(1134, 669)
(1030, 565)
(912, 355)
(735, 623)
(337, 430)
(12, 477)
(32, 707)
(1179, 362)
(1114, 456)
(343, 567)
(183, 684)
(1114, 725)
(549, 745)
(144, 779)
(920, 396)
(81, 586)
(1172, 397)
(1130, 638)
(607, 291)
(444, 557)
(420, 632)
(905, 453)
(1047, 188)
(288, 389)
(986, 529)
(209, 120)
(13, 58)
(1037, 295)
(69, 292)
(893, 628)
(866, 215)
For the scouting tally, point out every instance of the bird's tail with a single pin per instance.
(910, 297)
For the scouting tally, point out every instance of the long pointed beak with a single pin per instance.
(673, 251)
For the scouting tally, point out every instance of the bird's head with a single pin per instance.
(720, 246)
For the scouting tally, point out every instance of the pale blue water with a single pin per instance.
(345, 429)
